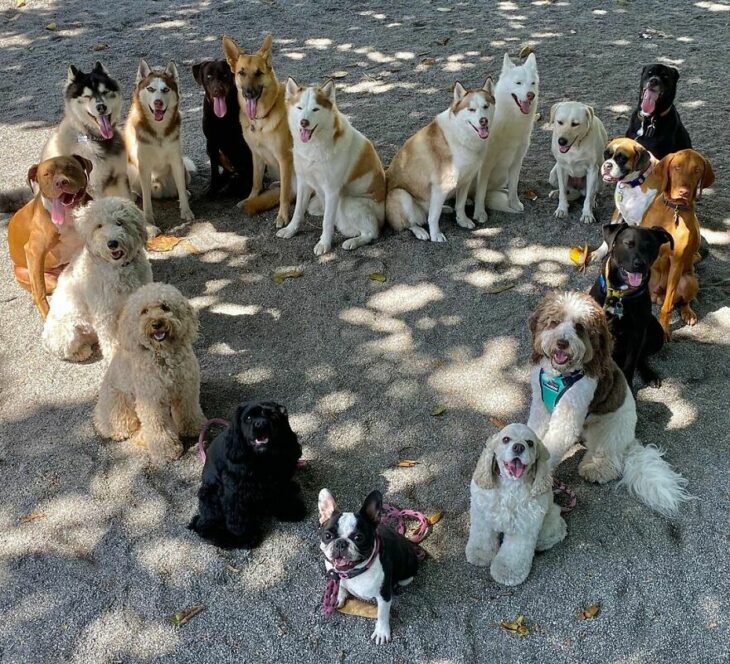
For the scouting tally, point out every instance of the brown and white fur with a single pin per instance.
(265, 127)
(335, 161)
(441, 158)
(511, 494)
(152, 135)
(570, 333)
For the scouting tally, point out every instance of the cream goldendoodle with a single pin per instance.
(92, 290)
(511, 494)
(151, 390)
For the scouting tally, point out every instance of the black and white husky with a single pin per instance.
(89, 128)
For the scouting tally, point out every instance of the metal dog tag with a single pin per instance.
(618, 310)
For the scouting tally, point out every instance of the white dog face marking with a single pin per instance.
(474, 109)
(571, 122)
(310, 110)
(521, 81)
(516, 451)
(564, 339)
(94, 99)
(157, 89)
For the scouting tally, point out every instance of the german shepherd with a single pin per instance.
(265, 128)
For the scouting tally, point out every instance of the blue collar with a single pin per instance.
(553, 389)
(636, 293)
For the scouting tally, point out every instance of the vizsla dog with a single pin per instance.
(41, 235)
(684, 174)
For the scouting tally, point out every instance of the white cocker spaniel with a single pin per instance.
(579, 394)
(511, 494)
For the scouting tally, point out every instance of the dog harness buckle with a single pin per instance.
(553, 389)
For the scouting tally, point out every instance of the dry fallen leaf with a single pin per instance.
(101, 46)
(33, 516)
(525, 51)
(590, 612)
(438, 411)
(579, 254)
(517, 627)
(497, 422)
(179, 618)
(232, 569)
(338, 74)
(163, 243)
(428, 61)
(621, 116)
(435, 518)
(444, 41)
(377, 276)
(406, 463)
(19, 3)
(356, 607)
(531, 195)
(52, 27)
(281, 276)
(493, 290)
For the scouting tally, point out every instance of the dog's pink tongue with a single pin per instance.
(219, 106)
(251, 108)
(516, 467)
(105, 126)
(524, 106)
(648, 101)
(305, 134)
(58, 211)
(483, 132)
(560, 356)
(634, 279)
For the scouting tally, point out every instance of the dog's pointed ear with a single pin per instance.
(171, 70)
(507, 64)
(542, 480)
(487, 470)
(143, 71)
(72, 74)
(326, 505)
(643, 158)
(32, 175)
(265, 50)
(553, 111)
(459, 92)
(372, 507)
(662, 236)
(610, 231)
(100, 68)
(231, 50)
(328, 90)
(197, 73)
(85, 163)
(292, 88)
(531, 62)
(488, 89)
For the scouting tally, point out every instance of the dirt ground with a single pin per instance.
(360, 364)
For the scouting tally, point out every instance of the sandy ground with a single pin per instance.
(360, 364)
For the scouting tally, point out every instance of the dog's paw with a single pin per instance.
(598, 470)
(381, 634)
(502, 572)
(561, 212)
(161, 450)
(481, 217)
(287, 232)
(516, 205)
(479, 556)
(321, 248)
(351, 243)
(588, 218)
(554, 193)
(465, 222)
(438, 237)
(186, 214)
(688, 315)
(281, 221)
(420, 233)
(152, 231)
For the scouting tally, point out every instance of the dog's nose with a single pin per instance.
(562, 344)
(654, 80)
(60, 181)
(483, 122)
(112, 244)
(158, 103)
(157, 325)
(638, 265)
(340, 546)
(101, 109)
(562, 141)
(530, 95)
(518, 448)
(304, 123)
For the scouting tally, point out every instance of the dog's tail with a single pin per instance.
(651, 479)
(14, 199)
(267, 200)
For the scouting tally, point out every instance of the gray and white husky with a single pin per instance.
(89, 129)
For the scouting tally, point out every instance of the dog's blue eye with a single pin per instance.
(150, 89)
(165, 90)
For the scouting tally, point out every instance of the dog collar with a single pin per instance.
(334, 576)
(641, 179)
(676, 206)
(553, 389)
(613, 303)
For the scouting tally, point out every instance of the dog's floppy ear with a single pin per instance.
(610, 231)
(708, 177)
(507, 64)
(542, 480)
(171, 70)
(553, 111)
(292, 88)
(265, 50)
(32, 175)
(599, 364)
(675, 72)
(231, 50)
(662, 170)
(198, 73)
(662, 236)
(328, 90)
(590, 114)
(372, 506)
(488, 89)
(326, 505)
(143, 71)
(487, 470)
(459, 92)
(643, 158)
(85, 163)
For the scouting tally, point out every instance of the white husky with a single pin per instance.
(336, 161)
(516, 95)
(442, 157)
(152, 135)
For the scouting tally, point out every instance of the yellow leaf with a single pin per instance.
(406, 463)
(280, 276)
(579, 254)
(163, 243)
(33, 516)
(356, 607)
(179, 618)
(526, 50)
(377, 276)
(428, 61)
(101, 46)
(531, 195)
(435, 518)
(497, 422)
(52, 27)
(517, 626)
(19, 3)
(590, 612)
(438, 411)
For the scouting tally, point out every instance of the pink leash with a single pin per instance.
(561, 489)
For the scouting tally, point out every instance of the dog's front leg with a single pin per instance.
(286, 172)
(381, 634)
(480, 194)
(675, 274)
(462, 192)
(304, 193)
(483, 542)
(178, 174)
(562, 177)
(590, 199)
(331, 203)
(145, 184)
(157, 429)
(513, 180)
(187, 414)
(216, 179)
(513, 563)
(434, 214)
(35, 259)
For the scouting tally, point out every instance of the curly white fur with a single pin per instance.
(151, 390)
(92, 290)
(520, 507)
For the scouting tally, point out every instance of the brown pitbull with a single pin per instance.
(41, 235)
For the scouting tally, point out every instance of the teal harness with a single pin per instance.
(553, 389)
